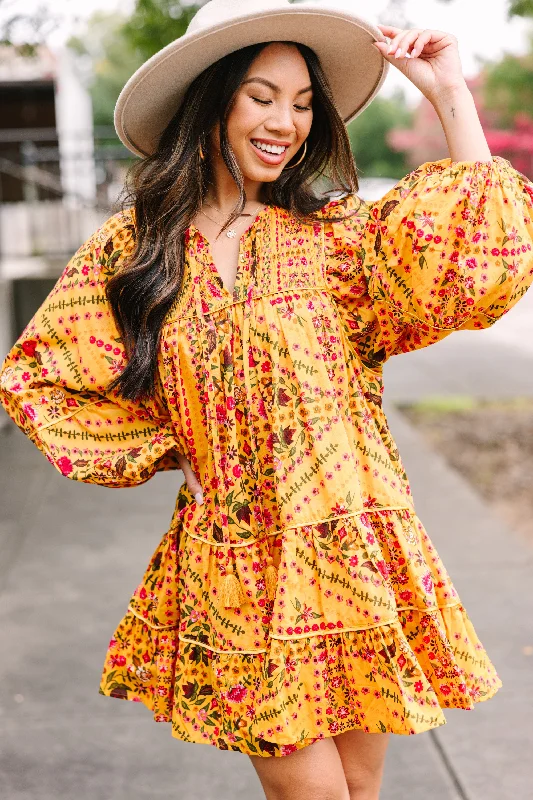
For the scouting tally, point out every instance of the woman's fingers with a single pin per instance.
(404, 43)
(191, 479)
(400, 44)
(423, 38)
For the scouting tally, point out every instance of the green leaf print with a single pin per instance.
(503, 276)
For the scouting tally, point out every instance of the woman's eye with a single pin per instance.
(268, 102)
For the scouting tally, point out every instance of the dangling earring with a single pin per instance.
(201, 152)
(301, 159)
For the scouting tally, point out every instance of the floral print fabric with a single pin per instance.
(273, 391)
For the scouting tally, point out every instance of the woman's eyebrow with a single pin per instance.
(273, 86)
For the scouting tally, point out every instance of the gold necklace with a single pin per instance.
(231, 233)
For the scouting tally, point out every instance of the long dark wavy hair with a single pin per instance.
(166, 190)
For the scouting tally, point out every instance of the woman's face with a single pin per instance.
(272, 111)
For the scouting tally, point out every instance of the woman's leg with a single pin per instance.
(363, 760)
(313, 773)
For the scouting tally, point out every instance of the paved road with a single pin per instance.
(72, 554)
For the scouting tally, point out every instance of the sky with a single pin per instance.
(481, 32)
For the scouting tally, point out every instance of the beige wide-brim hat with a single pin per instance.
(342, 41)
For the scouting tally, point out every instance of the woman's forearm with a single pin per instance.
(464, 134)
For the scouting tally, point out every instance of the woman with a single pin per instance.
(234, 323)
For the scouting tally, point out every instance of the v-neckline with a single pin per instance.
(209, 252)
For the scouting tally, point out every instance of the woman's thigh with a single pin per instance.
(313, 773)
(363, 761)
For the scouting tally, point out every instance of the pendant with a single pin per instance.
(231, 234)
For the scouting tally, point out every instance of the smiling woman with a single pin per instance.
(296, 607)
(273, 146)
(207, 172)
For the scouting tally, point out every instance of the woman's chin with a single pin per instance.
(265, 174)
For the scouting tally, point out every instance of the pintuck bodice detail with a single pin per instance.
(304, 597)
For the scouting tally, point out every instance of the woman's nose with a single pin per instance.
(281, 120)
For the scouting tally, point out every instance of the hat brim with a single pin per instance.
(343, 42)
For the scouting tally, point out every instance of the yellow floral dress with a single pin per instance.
(304, 598)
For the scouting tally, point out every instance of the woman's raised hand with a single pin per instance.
(191, 479)
(429, 58)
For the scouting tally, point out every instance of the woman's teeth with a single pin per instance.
(276, 149)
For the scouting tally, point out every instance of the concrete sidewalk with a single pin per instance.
(73, 553)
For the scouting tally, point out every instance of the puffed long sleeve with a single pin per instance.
(448, 248)
(53, 381)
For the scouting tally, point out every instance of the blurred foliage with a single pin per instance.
(368, 136)
(26, 31)
(116, 46)
(508, 88)
(111, 60)
(156, 23)
(521, 8)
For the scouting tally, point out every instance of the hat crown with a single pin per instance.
(217, 12)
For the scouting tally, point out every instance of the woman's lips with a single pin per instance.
(269, 158)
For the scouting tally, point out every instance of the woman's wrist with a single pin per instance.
(457, 112)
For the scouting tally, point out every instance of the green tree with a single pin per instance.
(112, 60)
(368, 136)
(521, 8)
(508, 89)
(116, 46)
(156, 23)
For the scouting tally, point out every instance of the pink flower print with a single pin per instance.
(29, 411)
(426, 220)
(383, 568)
(237, 693)
(290, 664)
(29, 347)
(214, 290)
(427, 582)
